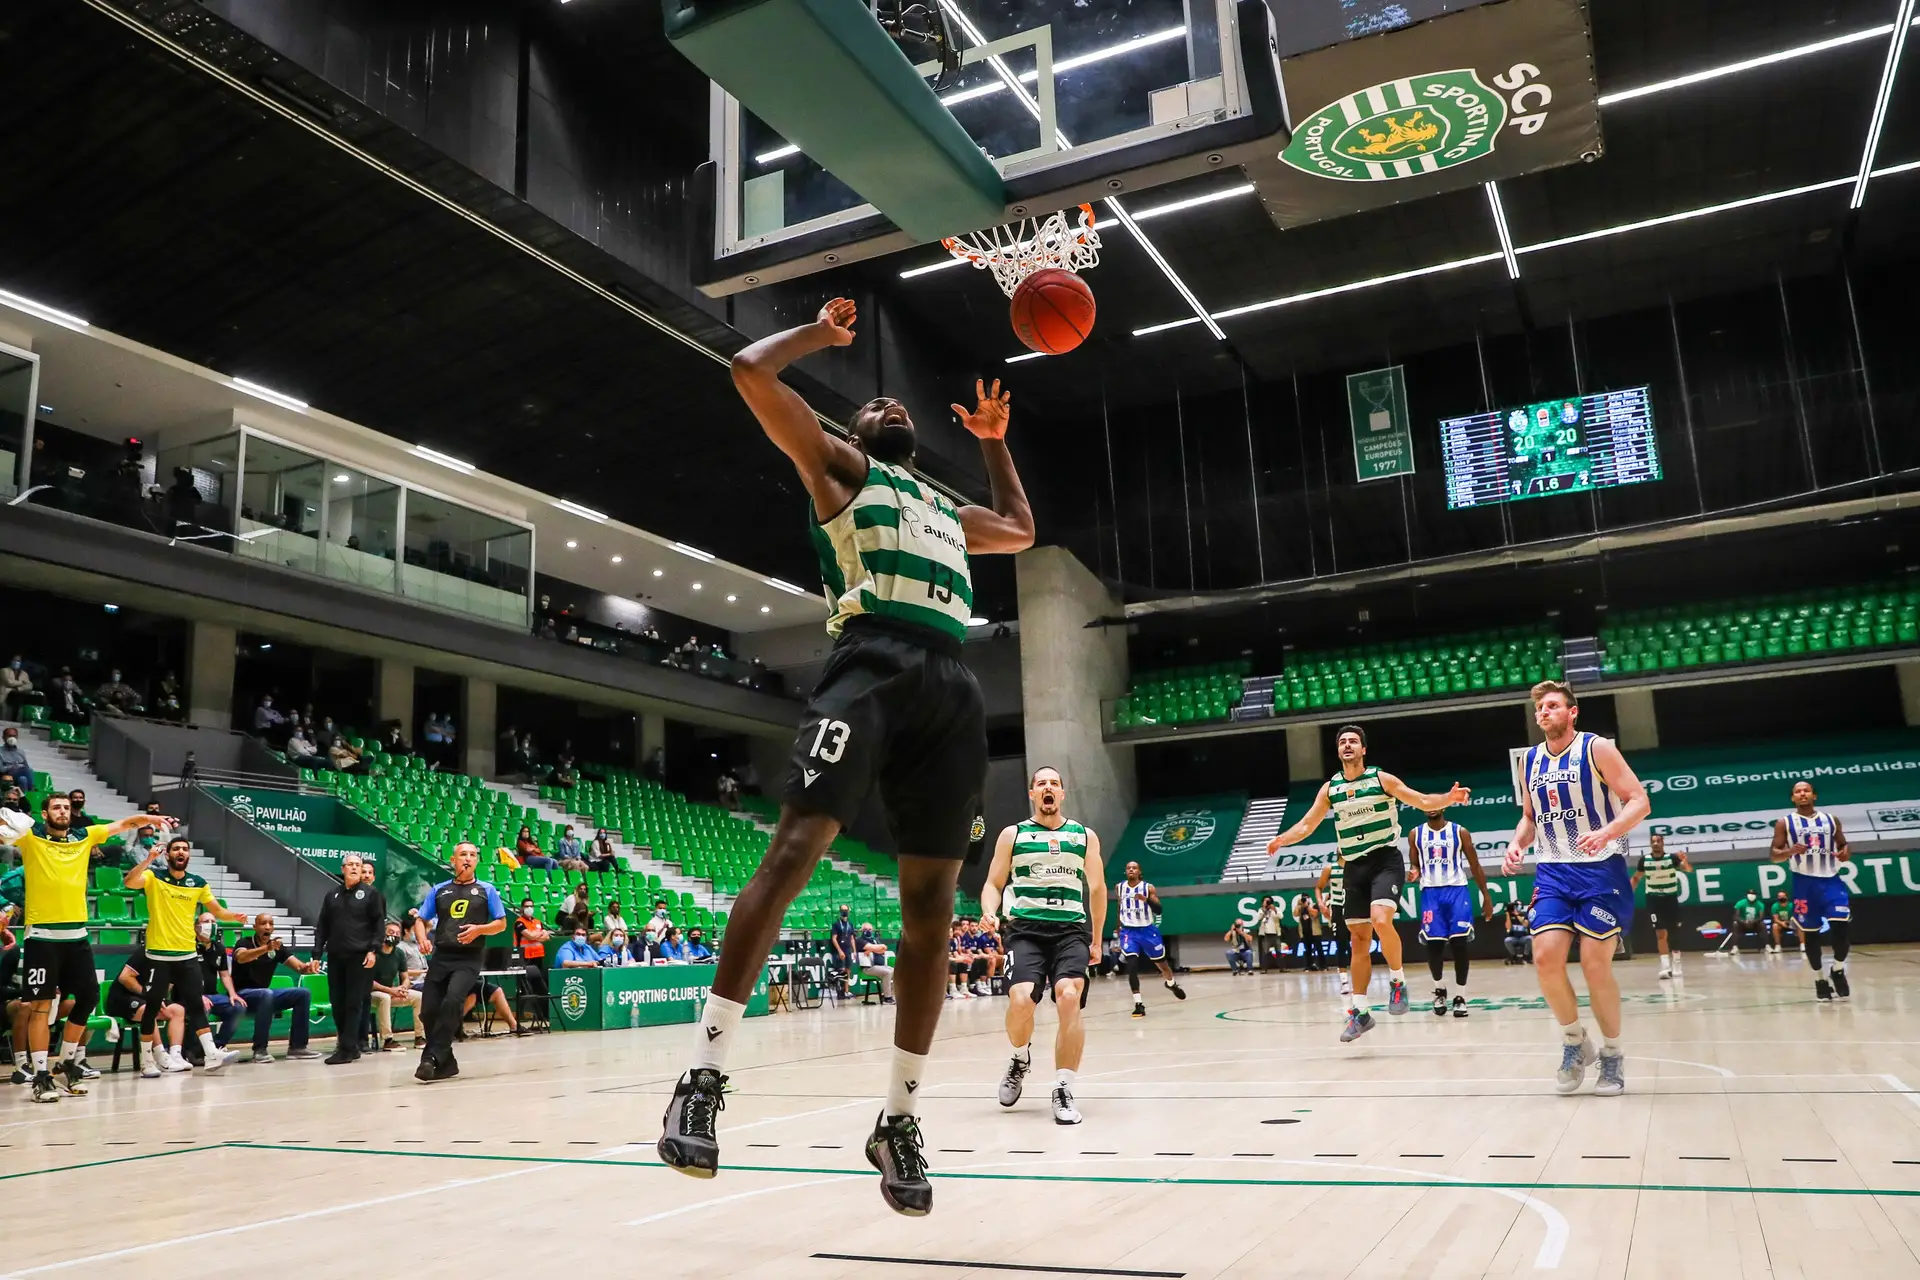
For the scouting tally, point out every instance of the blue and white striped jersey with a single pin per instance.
(1443, 858)
(1570, 799)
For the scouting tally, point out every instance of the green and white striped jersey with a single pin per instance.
(1364, 815)
(1048, 884)
(1662, 873)
(896, 551)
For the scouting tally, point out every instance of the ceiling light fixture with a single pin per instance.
(659, 573)
(766, 608)
(1027, 355)
(572, 544)
(565, 504)
(434, 455)
(46, 408)
(1683, 216)
(787, 587)
(1061, 67)
(1309, 296)
(733, 599)
(979, 622)
(697, 586)
(64, 319)
(1500, 229)
(268, 394)
(695, 552)
(617, 559)
(1749, 64)
(1902, 26)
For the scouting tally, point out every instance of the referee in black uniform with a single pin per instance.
(462, 913)
(353, 919)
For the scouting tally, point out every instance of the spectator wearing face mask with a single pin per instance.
(303, 752)
(612, 921)
(69, 704)
(871, 955)
(602, 857)
(531, 937)
(578, 953)
(613, 952)
(528, 850)
(15, 771)
(117, 697)
(698, 952)
(14, 682)
(567, 851)
(672, 949)
(390, 988)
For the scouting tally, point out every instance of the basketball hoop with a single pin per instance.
(1017, 250)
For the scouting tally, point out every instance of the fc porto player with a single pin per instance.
(1581, 799)
(1140, 936)
(1810, 841)
(1441, 857)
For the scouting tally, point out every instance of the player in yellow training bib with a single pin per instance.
(174, 901)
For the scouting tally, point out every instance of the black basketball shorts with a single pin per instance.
(1663, 910)
(58, 965)
(1378, 875)
(895, 707)
(1044, 957)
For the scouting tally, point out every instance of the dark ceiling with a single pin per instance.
(162, 204)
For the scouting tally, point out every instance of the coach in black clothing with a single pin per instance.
(461, 913)
(353, 919)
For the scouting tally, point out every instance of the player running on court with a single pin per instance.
(56, 954)
(1811, 843)
(1140, 936)
(1365, 803)
(1579, 802)
(1440, 857)
(1661, 870)
(1046, 874)
(895, 707)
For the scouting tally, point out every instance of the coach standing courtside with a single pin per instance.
(461, 912)
(353, 919)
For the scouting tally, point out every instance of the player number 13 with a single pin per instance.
(838, 731)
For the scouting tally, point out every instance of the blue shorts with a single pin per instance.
(1446, 911)
(1818, 900)
(1142, 940)
(1591, 898)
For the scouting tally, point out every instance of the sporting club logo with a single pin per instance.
(1180, 832)
(573, 997)
(1416, 125)
(242, 804)
(978, 831)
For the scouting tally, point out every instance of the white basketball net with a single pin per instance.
(1017, 250)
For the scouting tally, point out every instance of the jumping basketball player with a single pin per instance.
(1813, 846)
(895, 706)
(1048, 869)
(1140, 936)
(1441, 857)
(1580, 801)
(1365, 804)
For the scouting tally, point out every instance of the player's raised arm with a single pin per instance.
(1311, 819)
(1421, 800)
(997, 872)
(1007, 526)
(1624, 783)
(831, 469)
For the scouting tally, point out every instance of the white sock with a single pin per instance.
(1398, 975)
(713, 1034)
(1609, 1044)
(208, 1047)
(39, 1059)
(66, 1051)
(1024, 1052)
(1066, 1078)
(903, 1085)
(22, 1059)
(1361, 1004)
(1666, 962)
(1573, 1033)
(1838, 966)
(1829, 967)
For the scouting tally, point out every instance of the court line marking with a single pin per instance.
(1412, 1050)
(1900, 1086)
(1002, 1266)
(99, 1164)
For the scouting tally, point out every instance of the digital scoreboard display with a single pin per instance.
(1556, 446)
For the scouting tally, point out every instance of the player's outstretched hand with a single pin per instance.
(1515, 859)
(989, 420)
(1273, 846)
(1459, 794)
(837, 319)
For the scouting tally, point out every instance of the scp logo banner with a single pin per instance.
(1418, 124)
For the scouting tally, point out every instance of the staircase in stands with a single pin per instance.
(1261, 823)
(583, 827)
(67, 766)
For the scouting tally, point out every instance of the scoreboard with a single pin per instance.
(1557, 446)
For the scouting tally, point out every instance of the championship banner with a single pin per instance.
(1382, 431)
(1484, 93)
(1183, 841)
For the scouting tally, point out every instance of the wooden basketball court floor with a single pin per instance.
(1763, 1135)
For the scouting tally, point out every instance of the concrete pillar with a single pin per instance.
(1534, 736)
(395, 700)
(1909, 676)
(479, 727)
(1639, 729)
(210, 676)
(1066, 668)
(1305, 759)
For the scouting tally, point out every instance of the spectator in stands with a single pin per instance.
(1519, 937)
(657, 764)
(14, 683)
(576, 910)
(659, 922)
(303, 752)
(507, 752)
(433, 741)
(728, 791)
(603, 857)
(81, 818)
(567, 849)
(268, 722)
(698, 952)
(612, 921)
(564, 772)
(841, 940)
(871, 955)
(531, 937)
(15, 771)
(345, 756)
(528, 850)
(410, 951)
(613, 952)
(117, 698)
(166, 699)
(529, 755)
(672, 950)
(577, 952)
(390, 987)
(393, 744)
(1239, 949)
(183, 501)
(68, 703)
(254, 962)
(15, 799)
(326, 735)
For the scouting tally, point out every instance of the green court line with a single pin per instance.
(100, 1164)
(1126, 1180)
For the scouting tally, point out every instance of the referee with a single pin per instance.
(353, 920)
(460, 913)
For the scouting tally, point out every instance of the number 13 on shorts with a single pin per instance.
(831, 741)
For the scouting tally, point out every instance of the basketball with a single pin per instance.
(1053, 311)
